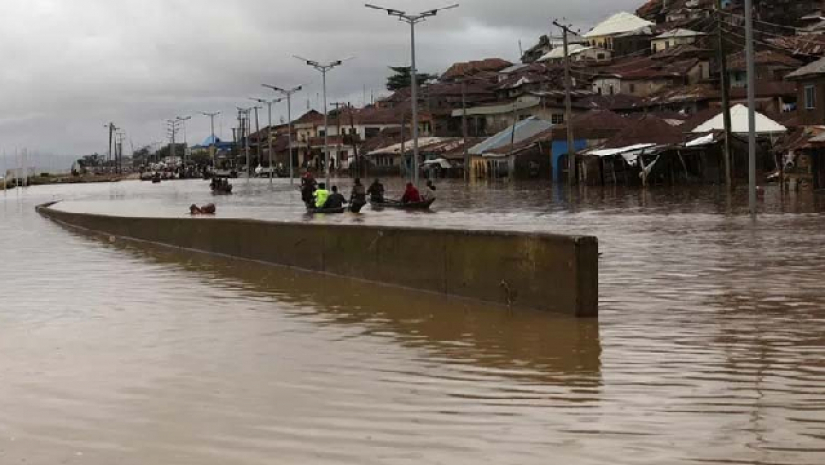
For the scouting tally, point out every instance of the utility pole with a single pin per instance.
(244, 114)
(182, 120)
(724, 79)
(338, 146)
(269, 104)
(212, 151)
(353, 135)
(751, 107)
(111, 128)
(568, 85)
(288, 94)
(412, 20)
(258, 133)
(173, 130)
(464, 130)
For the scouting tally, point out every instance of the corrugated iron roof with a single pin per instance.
(517, 133)
(739, 123)
(619, 23)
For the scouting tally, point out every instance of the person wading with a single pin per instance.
(376, 191)
(358, 196)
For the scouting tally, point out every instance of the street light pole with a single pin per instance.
(751, 107)
(288, 94)
(324, 68)
(269, 104)
(212, 145)
(412, 20)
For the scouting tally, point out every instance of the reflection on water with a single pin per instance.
(709, 348)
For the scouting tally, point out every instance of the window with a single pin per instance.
(557, 118)
(810, 97)
(321, 133)
(371, 132)
(600, 56)
(632, 88)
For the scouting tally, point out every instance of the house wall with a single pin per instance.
(597, 55)
(739, 78)
(643, 87)
(605, 42)
(816, 115)
(607, 86)
(699, 73)
(660, 45)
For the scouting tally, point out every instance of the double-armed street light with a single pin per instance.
(288, 93)
(324, 68)
(269, 104)
(212, 145)
(412, 20)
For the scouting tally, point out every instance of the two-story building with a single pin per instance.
(674, 38)
(810, 88)
(604, 33)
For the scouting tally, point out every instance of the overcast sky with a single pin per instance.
(69, 66)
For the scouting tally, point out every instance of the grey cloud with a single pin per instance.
(70, 66)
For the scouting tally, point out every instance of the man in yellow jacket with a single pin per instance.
(321, 195)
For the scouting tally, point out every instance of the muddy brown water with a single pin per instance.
(710, 347)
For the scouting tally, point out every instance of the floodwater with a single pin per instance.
(710, 347)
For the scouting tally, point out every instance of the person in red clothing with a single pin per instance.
(411, 195)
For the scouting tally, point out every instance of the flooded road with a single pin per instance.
(710, 347)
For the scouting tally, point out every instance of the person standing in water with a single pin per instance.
(358, 197)
(376, 191)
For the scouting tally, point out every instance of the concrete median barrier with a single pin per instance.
(551, 272)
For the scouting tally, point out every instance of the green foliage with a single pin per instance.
(402, 78)
(165, 151)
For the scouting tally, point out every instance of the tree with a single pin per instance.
(142, 156)
(180, 151)
(402, 78)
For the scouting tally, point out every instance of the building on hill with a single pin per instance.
(804, 48)
(675, 38)
(772, 97)
(633, 43)
(473, 68)
(578, 53)
(810, 85)
(668, 11)
(770, 66)
(604, 33)
(643, 77)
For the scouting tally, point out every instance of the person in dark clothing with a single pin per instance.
(308, 185)
(358, 196)
(376, 191)
(411, 195)
(335, 200)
